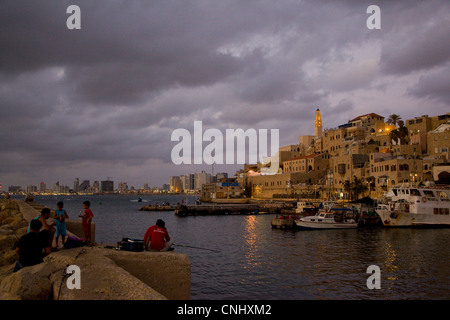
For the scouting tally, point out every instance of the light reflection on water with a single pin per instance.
(258, 262)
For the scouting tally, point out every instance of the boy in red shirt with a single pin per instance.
(86, 221)
(158, 237)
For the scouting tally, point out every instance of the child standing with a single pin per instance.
(86, 221)
(60, 220)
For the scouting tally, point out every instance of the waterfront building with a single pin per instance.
(226, 189)
(362, 154)
(346, 168)
(188, 182)
(282, 185)
(426, 123)
(419, 127)
(291, 151)
(95, 187)
(84, 186)
(76, 185)
(201, 179)
(56, 187)
(438, 141)
(175, 184)
(316, 162)
(367, 120)
(31, 189)
(123, 187)
(42, 187)
(107, 186)
(14, 189)
(441, 173)
(220, 176)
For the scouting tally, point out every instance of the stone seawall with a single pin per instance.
(106, 274)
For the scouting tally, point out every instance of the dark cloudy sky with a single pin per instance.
(103, 101)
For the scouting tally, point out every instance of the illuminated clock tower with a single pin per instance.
(318, 124)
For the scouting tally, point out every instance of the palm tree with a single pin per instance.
(403, 132)
(358, 187)
(394, 119)
(394, 135)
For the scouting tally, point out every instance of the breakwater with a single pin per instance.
(106, 274)
(225, 208)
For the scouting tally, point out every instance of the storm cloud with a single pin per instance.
(103, 101)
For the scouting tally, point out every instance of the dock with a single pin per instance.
(217, 209)
(158, 208)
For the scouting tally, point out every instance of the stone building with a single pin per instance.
(438, 141)
(313, 162)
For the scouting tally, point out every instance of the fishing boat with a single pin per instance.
(415, 206)
(336, 218)
(305, 208)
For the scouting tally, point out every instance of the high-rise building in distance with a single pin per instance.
(76, 185)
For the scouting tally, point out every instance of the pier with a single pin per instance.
(233, 209)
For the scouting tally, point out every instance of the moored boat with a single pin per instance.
(416, 206)
(327, 220)
(283, 222)
(306, 208)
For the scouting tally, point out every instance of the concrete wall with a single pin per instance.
(168, 273)
(75, 227)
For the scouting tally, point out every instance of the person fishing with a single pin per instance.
(157, 238)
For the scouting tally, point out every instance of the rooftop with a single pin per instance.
(367, 115)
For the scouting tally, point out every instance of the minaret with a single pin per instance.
(318, 124)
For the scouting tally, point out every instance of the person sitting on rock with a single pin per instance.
(33, 246)
(45, 214)
(158, 237)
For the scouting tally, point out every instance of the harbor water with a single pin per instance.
(253, 261)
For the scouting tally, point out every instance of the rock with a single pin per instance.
(8, 204)
(29, 198)
(4, 214)
(7, 242)
(9, 257)
(5, 231)
(22, 231)
(15, 223)
(30, 283)
(8, 296)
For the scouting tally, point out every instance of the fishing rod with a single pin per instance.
(186, 246)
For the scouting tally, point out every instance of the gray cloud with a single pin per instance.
(103, 100)
(434, 86)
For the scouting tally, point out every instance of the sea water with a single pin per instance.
(253, 261)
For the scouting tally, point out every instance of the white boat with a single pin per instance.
(416, 206)
(326, 220)
(305, 207)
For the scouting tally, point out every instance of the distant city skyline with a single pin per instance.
(48, 185)
(104, 100)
